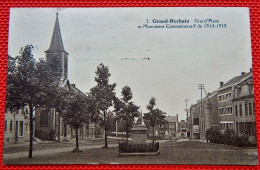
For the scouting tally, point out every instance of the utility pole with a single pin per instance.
(201, 87)
(187, 111)
(186, 101)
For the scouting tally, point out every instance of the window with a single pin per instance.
(236, 113)
(226, 96)
(240, 110)
(21, 128)
(219, 98)
(246, 110)
(11, 126)
(229, 95)
(44, 118)
(5, 125)
(250, 109)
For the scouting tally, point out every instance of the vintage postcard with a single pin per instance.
(130, 86)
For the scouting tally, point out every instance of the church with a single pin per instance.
(48, 124)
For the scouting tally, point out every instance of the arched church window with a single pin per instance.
(44, 118)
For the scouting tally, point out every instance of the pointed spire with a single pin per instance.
(56, 40)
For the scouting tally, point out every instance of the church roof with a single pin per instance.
(56, 40)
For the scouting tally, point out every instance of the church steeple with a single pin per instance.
(56, 40)
(56, 56)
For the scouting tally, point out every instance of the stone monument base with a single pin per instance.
(139, 134)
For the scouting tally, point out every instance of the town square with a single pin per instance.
(84, 91)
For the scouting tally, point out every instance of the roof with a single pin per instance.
(171, 118)
(56, 44)
(235, 80)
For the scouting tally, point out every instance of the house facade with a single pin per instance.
(182, 130)
(225, 102)
(16, 127)
(166, 131)
(231, 106)
(243, 104)
(203, 115)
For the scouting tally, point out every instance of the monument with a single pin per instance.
(139, 132)
(139, 145)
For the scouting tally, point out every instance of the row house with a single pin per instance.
(226, 93)
(243, 104)
(231, 106)
(16, 127)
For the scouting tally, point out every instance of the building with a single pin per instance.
(182, 130)
(225, 95)
(48, 123)
(243, 104)
(166, 131)
(16, 127)
(194, 116)
(204, 115)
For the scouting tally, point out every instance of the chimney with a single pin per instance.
(250, 70)
(221, 83)
(242, 73)
(73, 85)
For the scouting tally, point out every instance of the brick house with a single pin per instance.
(243, 104)
(166, 131)
(225, 101)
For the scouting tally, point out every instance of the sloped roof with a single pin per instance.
(236, 79)
(56, 44)
(171, 118)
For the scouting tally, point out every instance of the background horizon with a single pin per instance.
(180, 59)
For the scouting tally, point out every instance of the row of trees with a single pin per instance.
(30, 83)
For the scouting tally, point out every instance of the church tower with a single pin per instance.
(56, 56)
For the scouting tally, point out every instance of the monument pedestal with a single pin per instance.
(139, 134)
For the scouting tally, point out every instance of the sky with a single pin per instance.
(180, 58)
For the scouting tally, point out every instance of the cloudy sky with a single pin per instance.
(180, 59)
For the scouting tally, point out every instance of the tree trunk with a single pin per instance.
(31, 131)
(77, 139)
(126, 133)
(153, 134)
(15, 130)
(106, 138)
(105, 124)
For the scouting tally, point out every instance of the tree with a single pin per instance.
(126, 110)
(104, 95)
(74, 110)
(29, 84)
(154, 116)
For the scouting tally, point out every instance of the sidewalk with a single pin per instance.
(51, 151)
(11, 145)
